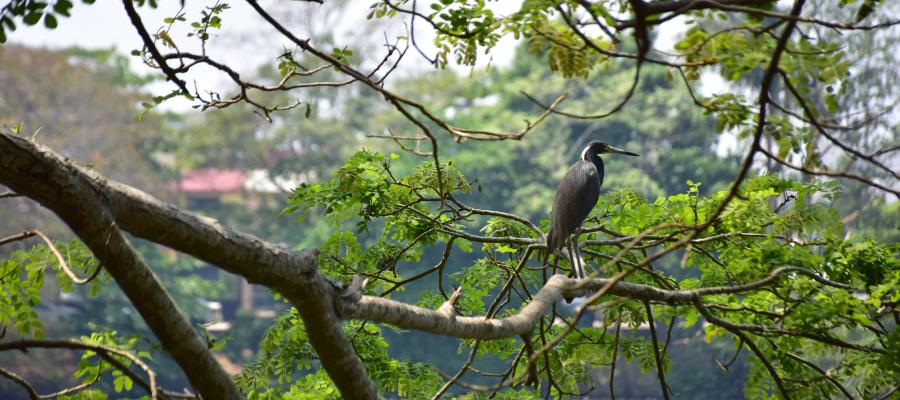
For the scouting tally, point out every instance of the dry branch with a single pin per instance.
(409, 316)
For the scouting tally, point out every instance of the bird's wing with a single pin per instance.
(575, 198)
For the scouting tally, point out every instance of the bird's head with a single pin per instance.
(597, 147)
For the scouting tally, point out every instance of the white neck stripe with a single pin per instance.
(584, 153)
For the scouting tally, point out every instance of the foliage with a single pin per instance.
(774, 223)
(826, 325)
(288, 361)
(23, 277)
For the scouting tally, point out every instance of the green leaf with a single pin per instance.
(50, 21)
(32, 18)
(62, 7)
(866, 9)
(831, 103)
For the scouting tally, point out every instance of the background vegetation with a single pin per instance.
(90, 111)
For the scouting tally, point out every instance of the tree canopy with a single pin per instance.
(422, 201)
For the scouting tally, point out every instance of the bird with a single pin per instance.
(575, 198)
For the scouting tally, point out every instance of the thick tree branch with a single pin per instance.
(37, 172)
(57, 184)
(558, 286)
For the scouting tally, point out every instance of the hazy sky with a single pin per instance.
(246, 41)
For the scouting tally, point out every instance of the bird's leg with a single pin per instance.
(581, 269)
(571, 255)
(555, 261)
(573, 259)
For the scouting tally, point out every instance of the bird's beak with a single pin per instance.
(617, 150)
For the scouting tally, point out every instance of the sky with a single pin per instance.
(247, 41)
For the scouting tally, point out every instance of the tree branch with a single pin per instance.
(103, 351)
(42, 175)
(558, 286)
(151, 47)
(657, 354)
(57, 184)
(32, 394)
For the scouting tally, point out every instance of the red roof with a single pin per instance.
(212, 181)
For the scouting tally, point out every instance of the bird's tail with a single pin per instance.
(549, 247)
(555, 241)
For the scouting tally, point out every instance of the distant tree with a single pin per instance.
(771, 272)
(78, 100)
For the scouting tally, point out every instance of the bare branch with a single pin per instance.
(151, 46)
(750, 344)
(62, 262)
(679, 7)
(396, 100)
(833, 174)
(657, 354)
(612, 370)
(822, 372)
(16, 237)
(558, 286)
(104, 351)
(32, 394)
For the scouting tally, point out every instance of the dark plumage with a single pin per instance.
(575, 198)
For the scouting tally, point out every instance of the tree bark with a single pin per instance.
(103, 207)
(95, 208)
(42, 176)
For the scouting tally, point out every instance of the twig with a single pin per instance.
(103, 350)
(822, 372)
(830, 173)
(62, 262)
(151, 47)
(32, 394)
(824, 132)
(16, 237)
(59, 258)
(752, 346)
(660, 373)
(612, 370)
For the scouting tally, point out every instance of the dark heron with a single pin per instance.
(575, 198)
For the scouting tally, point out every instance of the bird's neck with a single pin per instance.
(594, 159)
(598, 162)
